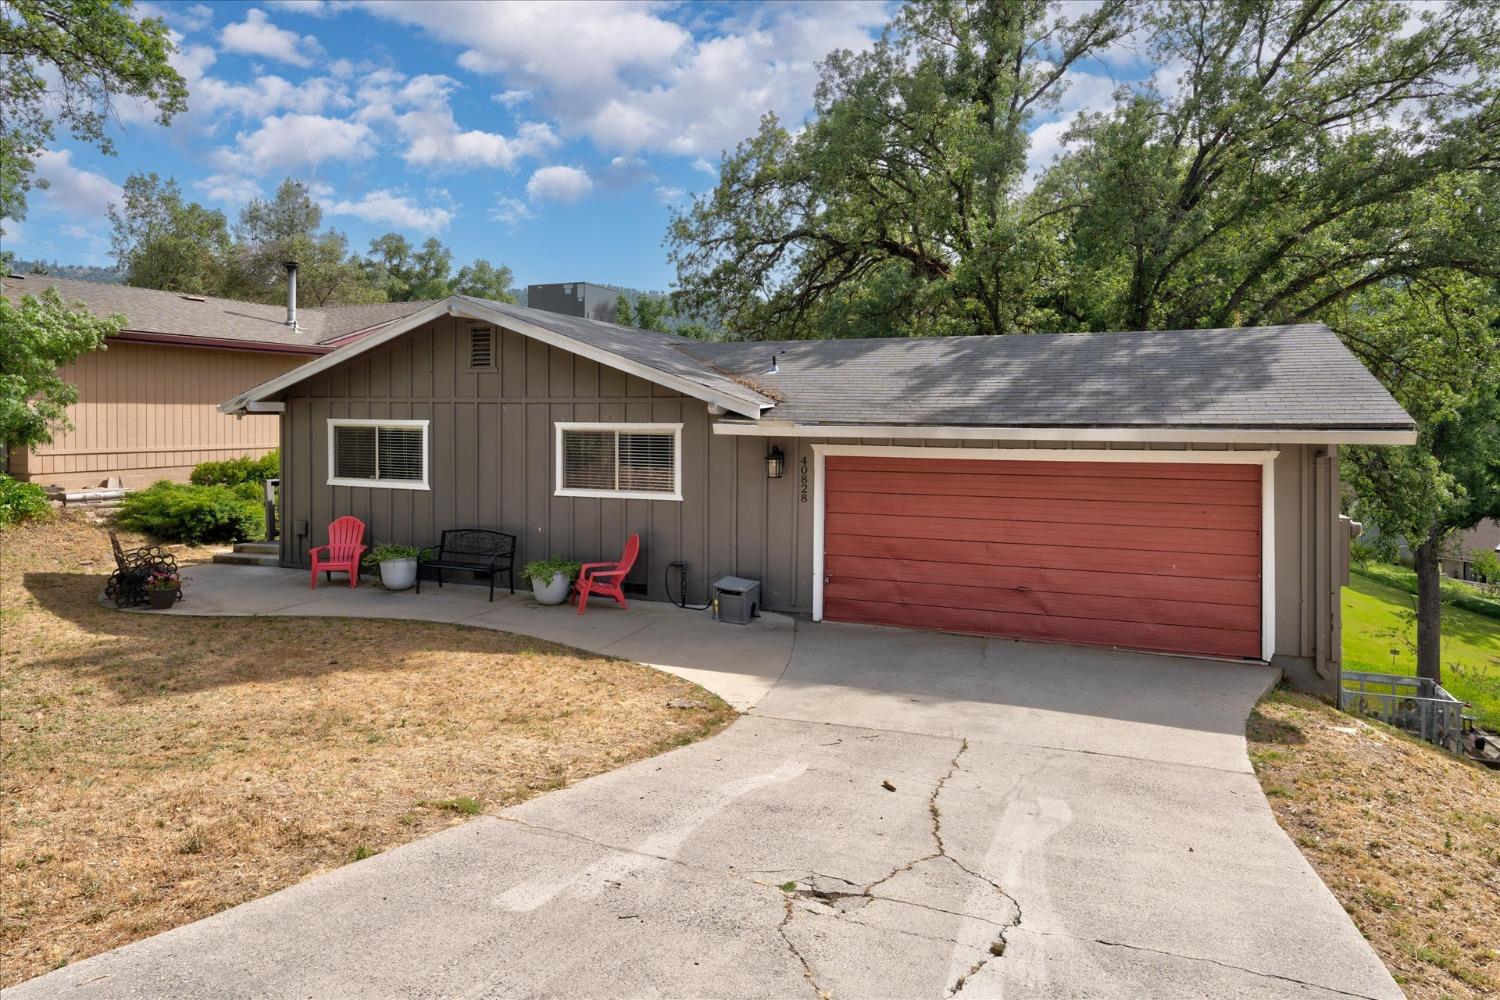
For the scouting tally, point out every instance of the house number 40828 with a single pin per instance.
(802, 479)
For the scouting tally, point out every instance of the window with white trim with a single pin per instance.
(630, 461)
(385, 453)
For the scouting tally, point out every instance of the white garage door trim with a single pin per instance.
(1265, 459)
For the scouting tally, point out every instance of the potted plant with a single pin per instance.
(398, 564)
(551, 578)
(163, 587)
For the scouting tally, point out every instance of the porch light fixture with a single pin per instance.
(775, 463)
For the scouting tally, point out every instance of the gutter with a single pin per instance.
(217, 343)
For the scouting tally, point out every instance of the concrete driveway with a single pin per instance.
(898, 815)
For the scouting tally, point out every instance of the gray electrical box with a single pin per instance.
(739, 599)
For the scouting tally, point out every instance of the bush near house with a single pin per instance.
(176, 512)
(21, 501)
(234, 471)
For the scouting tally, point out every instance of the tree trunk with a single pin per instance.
(1429, 610)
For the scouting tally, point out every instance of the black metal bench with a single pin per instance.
(127, 584)
(475, 550)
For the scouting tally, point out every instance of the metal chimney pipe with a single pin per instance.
(291, 294)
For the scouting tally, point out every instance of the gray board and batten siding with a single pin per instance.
(492, 440)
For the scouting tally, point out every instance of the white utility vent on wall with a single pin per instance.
(482, 348)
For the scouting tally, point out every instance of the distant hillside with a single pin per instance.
(85, 272)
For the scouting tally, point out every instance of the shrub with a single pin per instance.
(21, 501)
(178, 513)
(234, 471)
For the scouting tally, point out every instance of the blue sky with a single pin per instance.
(549, 137)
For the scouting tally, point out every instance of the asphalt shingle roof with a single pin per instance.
(665, 352)
(1297, 376)
(147, 310)
(1294, 377)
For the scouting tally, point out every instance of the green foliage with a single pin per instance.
(161, 241)
(37, 337)
(233, 471)
(286, 227)
(177, 512)
(1362, 553)
(21, 501)
(1486, 563)
(387, 550)
(405, 273)
(543, 570)
(652, 312)
(484, 280)
(1304, 153)
(1456, 593)
(1378, 636)
(898, 209)
(66, 62)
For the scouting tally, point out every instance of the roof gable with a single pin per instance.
(647, 354)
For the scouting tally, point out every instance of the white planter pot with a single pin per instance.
(554, 591)
(398, 574)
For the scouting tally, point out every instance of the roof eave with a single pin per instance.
(1162, 434)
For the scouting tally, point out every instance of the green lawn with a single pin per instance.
(1379, 618)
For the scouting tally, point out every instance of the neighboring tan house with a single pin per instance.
(1173, 491)
(148, 406)
(1458, 558)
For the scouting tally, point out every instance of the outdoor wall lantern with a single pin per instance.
(775, 463)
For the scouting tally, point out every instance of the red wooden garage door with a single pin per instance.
(1148, 556)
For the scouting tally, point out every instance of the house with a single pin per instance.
(1172, 491)
(1459, 552)
(148, 403)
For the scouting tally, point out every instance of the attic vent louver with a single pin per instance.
(481, 348)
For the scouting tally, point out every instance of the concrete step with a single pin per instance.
(247, 559)
(259, 548)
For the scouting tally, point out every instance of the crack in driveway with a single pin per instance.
(838, 903)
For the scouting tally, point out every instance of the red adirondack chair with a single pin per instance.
(345, 545)
(606, 578)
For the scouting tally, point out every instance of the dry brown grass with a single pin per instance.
(159, 770)
(1407, 837)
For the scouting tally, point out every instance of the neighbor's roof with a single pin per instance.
(172, 314)
(1293, 377)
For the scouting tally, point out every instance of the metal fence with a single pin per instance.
(1414, 704)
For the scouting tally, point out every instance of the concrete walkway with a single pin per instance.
(899, 814)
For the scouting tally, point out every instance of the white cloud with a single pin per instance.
(287, 141)
(393, 208)
(257, 36)
(511, 98)
(706, 167)
(559, 183)
(510, 211)
(74, 190)
(647, 83)
(314, 8)
(624, 171)
(669, 194)
(419, 110)
(228, 189)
